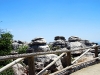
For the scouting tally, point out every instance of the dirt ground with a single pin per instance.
(91, 70)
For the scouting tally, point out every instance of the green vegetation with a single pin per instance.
(54, 49)
(7, 72)
(5, 43)
(22, 49)
(5, 49)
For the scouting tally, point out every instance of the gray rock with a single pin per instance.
(88, 43)
(73, 39)
(39, 40)
(19, 69)
(15, 45)
(76, 45)
(44, 60)
(59, 38)
(60, 42)
(39, 45)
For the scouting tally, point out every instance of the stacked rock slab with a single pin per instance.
(39, 45)
(59, 42)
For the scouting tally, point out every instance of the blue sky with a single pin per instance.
(27, 19)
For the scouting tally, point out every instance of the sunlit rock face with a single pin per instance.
(39, 45)
(76, 43)
(19, 69)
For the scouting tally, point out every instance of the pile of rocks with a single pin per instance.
(59, 42)
(16, 44)
(40, 45)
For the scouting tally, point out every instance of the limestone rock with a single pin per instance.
(19, 69)
(44, 60)
(60, 42)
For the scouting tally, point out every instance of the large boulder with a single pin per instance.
(19, 69)
(44, 60)
(76, 43)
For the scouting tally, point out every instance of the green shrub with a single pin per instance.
(5, 49)
(22, 49)
(5, 43)
(7, 72)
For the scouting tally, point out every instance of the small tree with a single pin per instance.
(5, 43)
(5, 49)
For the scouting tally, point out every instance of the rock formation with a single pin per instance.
(39, 45)
(60, 42)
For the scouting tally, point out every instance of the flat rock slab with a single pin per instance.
(91, 70)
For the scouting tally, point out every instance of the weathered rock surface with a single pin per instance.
(60, 42)
(74, 43)
(19, 69)
(39, 45)
(44, 60)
